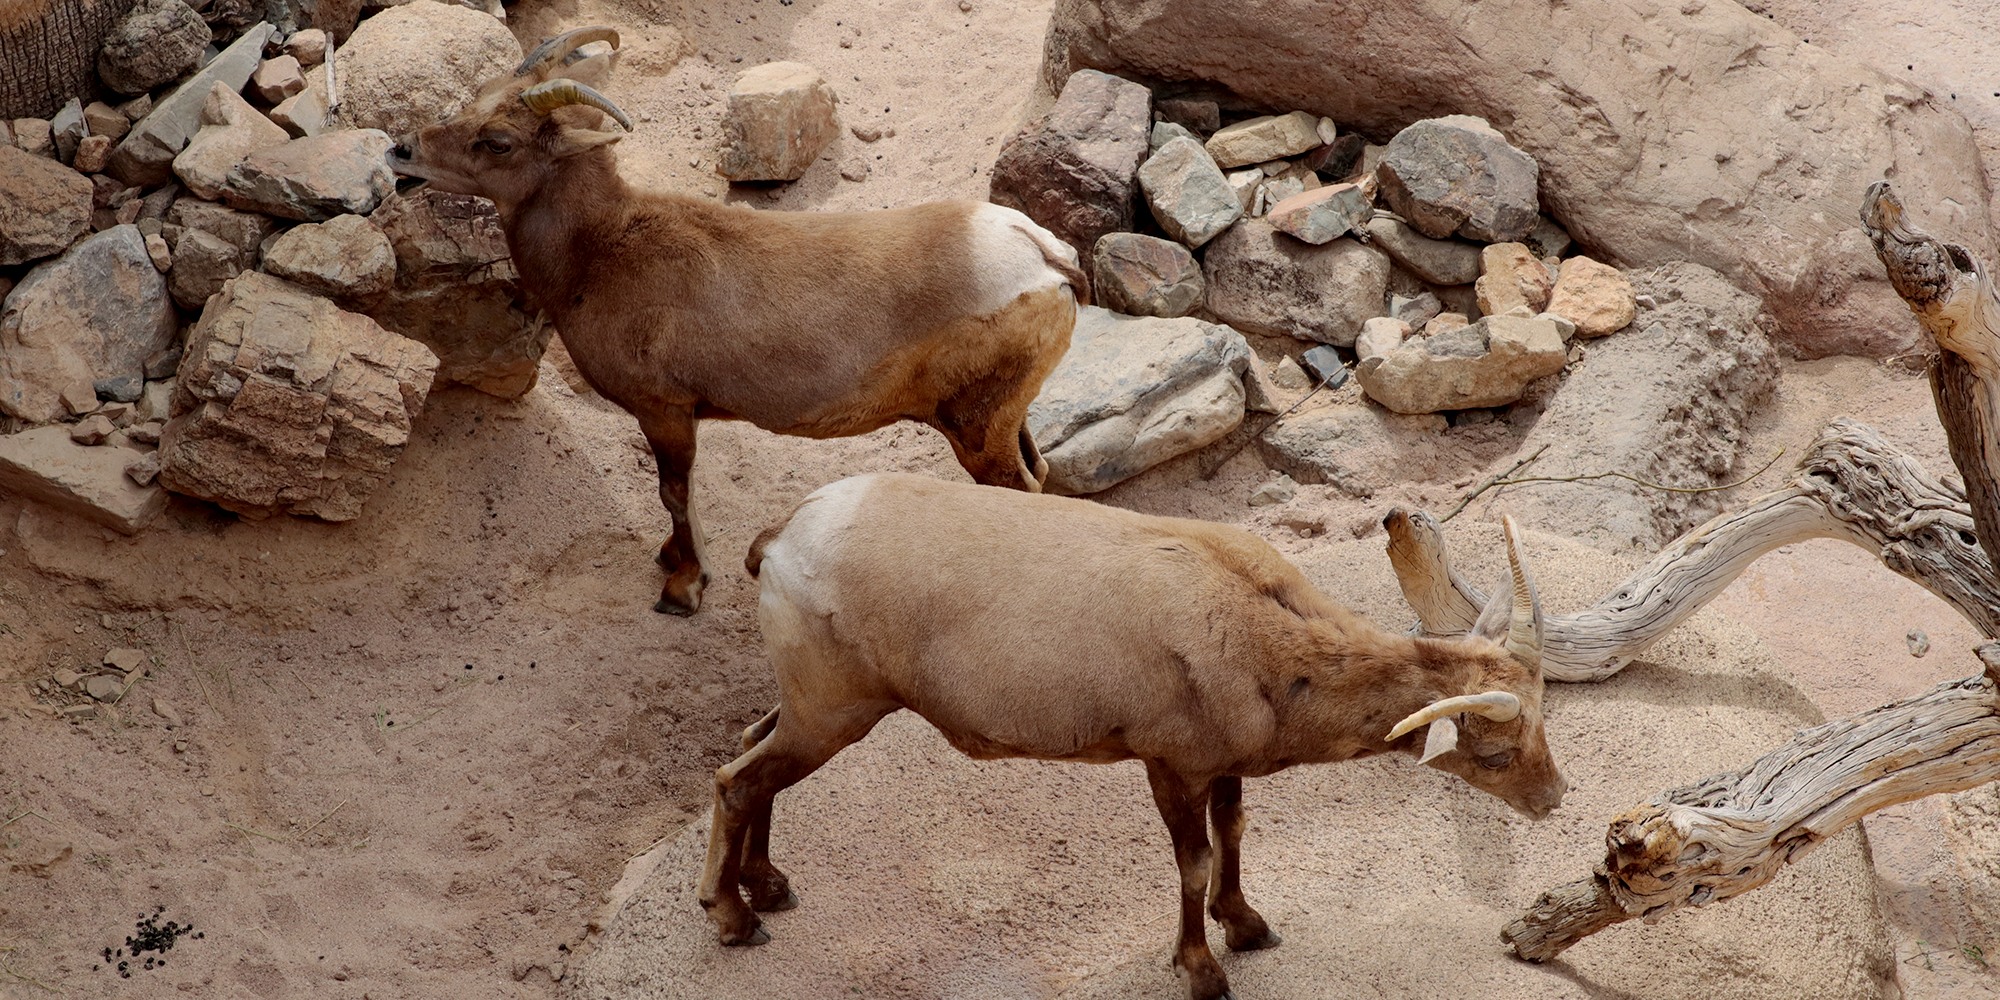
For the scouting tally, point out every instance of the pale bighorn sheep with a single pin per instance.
(1048, 627)
(817, 324)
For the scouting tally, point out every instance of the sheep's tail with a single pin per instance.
(754, 561)
(1061, 258)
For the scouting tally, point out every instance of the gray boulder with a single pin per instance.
(1488, 363)
(1323, 214)
(1133, 392)
(1187, 193)
(411, 66)
(1266, 282)
(202, 263)
(285, 403)
(97, 312)
(315, 178)
(153, 44)
(1440, 262)
(44, 206)
(1074, 170)
(1142, 275)
(1456, 175)
(146, 156)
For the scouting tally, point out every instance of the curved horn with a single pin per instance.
(547, 96)
(1500, 706)
(1514, 620)
(562, 45)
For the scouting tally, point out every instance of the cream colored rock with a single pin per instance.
(1596, 297)
(1379, 336)
(42, 464)
(781, 115)
(345, 257)
(1664, 130)
(1510, 278)
(410, 66)
(1259, 140)
(278, 78)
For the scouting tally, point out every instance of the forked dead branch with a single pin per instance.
(1732, 832)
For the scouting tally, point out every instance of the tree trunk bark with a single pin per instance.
(49, 51)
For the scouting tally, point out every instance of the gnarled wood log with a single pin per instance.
(1852, 486)
(1730, 833)
(1953, 298)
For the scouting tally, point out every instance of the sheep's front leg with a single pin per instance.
(1243, 926)
(1182, 806)
(672, 435)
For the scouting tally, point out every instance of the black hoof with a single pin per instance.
(757, 937)
(788, 901)
(1269, 940)
(668, 607)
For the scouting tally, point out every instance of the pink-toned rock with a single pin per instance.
(780, 116)
(346, 258)
(277, 78)
(1596, 297)
(33, 135)
(286, 403)
(91, 152)
(44, 465)
(106, 120)
(1510, 276)
(1322, 215)
(92, 429)
(307, 46)
(44, 206)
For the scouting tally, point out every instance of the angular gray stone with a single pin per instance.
(1187, 193)
(1547, 239)
(44, 465)
(781, 115)
(456, 292)
(315, 178)
(1198, 115)
(411, 66)
(301, 114)
(231, 130)
(146, 155)
(44, 206)
(1323, 214)
(96, 312)
(1440, 262)
(153, 44)
(346, 258)
(1457, 175)
(67, 129)
(287, 403)
(202, 262)
(1270, 137)
(1133, 392)
(1338, 160)
(1142, 275)
(1275, 491)
(1263, 281)
(1165, 132)
(1075, 170)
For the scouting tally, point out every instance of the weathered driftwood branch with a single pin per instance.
(1852, 485)
(1730, 833)
(1950, 293)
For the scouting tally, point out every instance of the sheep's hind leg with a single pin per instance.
(743, 791)
(768, 887)
(1181, 806)
(682, 554)
(1243, 926)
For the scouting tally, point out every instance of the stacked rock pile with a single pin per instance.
(1429, 257)
(208, 283)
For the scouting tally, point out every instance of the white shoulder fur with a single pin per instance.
(1009, 256)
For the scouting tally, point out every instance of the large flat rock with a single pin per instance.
(45, 466)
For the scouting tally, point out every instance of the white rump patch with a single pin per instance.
(1009, 257)
(811, 540)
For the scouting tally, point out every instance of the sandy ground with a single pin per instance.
(416, 752)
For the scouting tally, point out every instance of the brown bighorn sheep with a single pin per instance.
(816, 324)
(1048, 627)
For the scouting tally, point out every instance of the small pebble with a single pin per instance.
(1918, 641)
(208, 789)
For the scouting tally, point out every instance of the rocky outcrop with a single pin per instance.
(1074, 171)
(1664, 130)
(1133, 392)
(781, 115)
(95, 313)
(286, 403)
(315, 178)
(417, 64)
(146, 155)
(457, 293)
(1487, 363)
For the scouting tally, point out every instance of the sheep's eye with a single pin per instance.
(1497, 761)
(498, 147)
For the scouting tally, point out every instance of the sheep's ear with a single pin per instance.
(1443, 738)
(571, 141)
